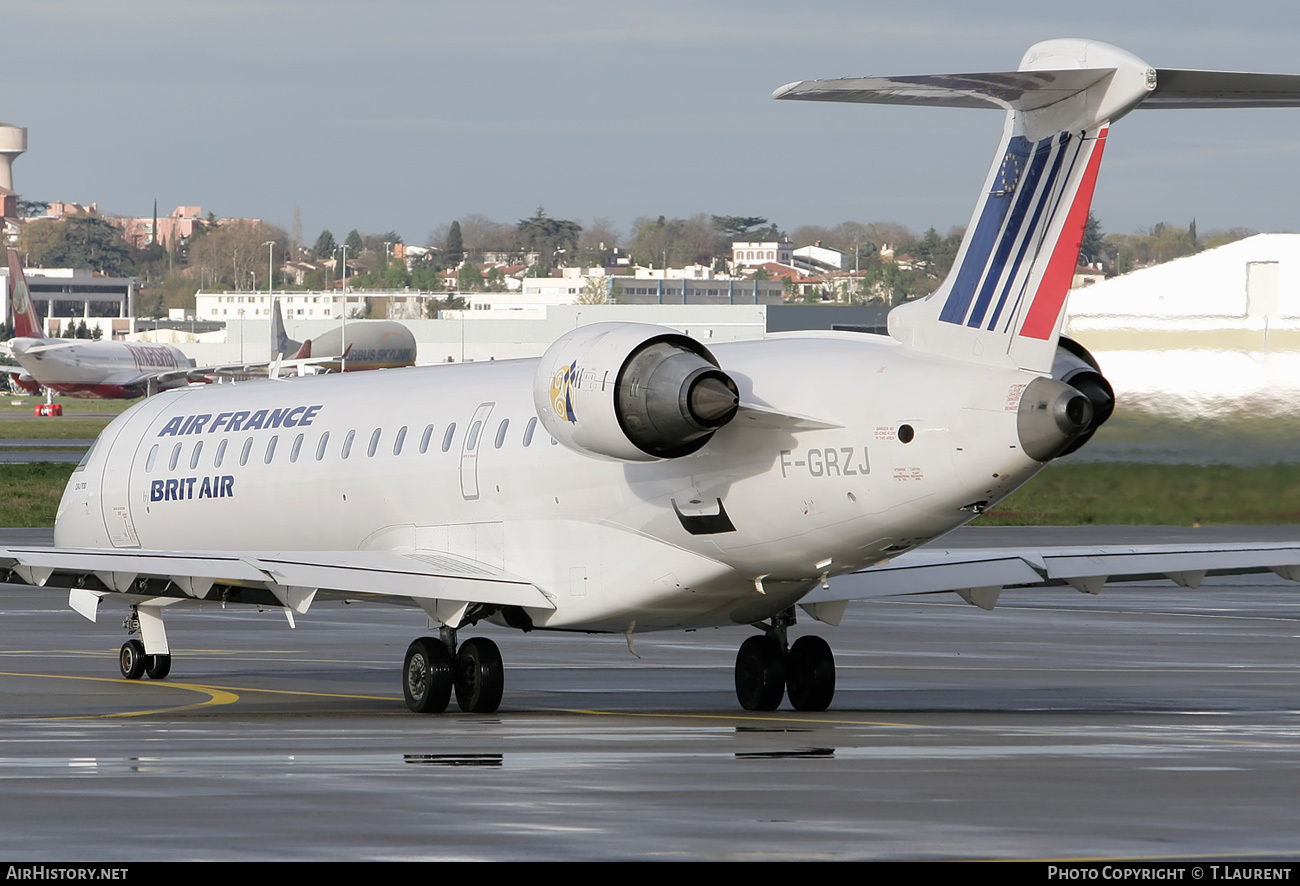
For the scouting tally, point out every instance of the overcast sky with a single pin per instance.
(406, 114)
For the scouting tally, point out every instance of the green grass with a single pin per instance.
(29, 494)
(91, 417)
(53, 428)
(1139, 494)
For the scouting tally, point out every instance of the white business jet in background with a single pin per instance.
(632, 479)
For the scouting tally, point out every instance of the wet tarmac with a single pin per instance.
(1151, 721)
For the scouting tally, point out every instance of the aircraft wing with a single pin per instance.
(444, 585)
(978, 575)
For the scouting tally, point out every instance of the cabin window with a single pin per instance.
(176, 455)
(501, 432)
(221, 454)
(244, 453)
(347, 443)
(194, 459)
(148, 462)
(297, 446)
(401, 438)
(320, 447)
(270, 448)
(528, 431)
(471, 444)
(374, 444)
(424, 440)
(446, 438)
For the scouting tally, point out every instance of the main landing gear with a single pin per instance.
(132, 660)
(430, 673)
(767, 667)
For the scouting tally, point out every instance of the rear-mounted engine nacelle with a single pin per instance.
(1057, 415)
(1079, 369)
(632, 392)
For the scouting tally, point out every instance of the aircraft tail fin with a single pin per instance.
(304, 351)
(281, 344)
(1003, 301)
(27, 320)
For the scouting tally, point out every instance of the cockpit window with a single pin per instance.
(85, 458)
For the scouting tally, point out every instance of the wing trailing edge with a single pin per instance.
(978, 575)
(290, 578)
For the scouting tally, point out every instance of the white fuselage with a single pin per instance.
(96, 369)
(452, 459)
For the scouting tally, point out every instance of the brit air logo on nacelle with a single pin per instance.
(562, 385)
(244, 420)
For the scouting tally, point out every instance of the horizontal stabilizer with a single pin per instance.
(1005, 90)
(1032, 90)
(1223, 89)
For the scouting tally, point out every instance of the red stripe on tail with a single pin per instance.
(1040, 322)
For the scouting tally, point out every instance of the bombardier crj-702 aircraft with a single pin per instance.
(99, 369)
(632, 479)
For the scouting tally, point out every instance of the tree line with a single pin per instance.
(892, 262)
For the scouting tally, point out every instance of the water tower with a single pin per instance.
(13, 141)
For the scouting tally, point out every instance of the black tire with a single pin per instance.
(760, 674)
(426, 676)
(810, 674)
(130, 660)
(480, 676)
(157, 666)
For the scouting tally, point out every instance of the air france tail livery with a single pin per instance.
(632, 479)
(95, 369)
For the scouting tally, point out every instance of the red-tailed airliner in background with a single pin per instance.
(97, 369)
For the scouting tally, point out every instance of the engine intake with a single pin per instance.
(632, 392)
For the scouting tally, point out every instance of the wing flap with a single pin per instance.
(1086, 569)
(295, 575)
